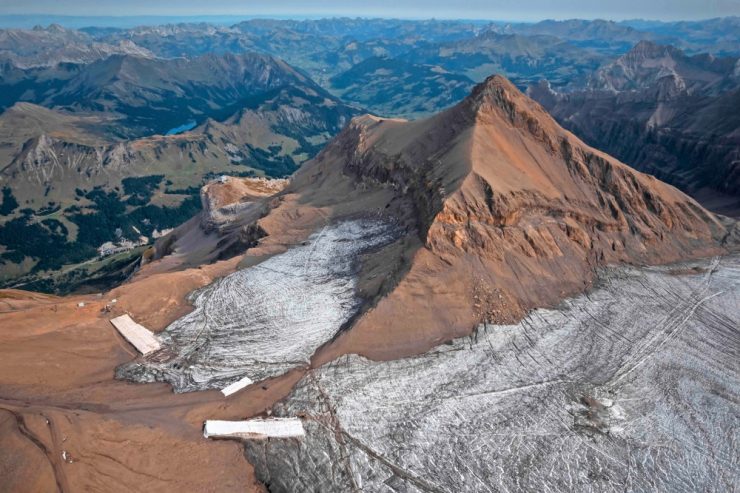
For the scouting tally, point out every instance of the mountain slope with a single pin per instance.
(68, 162)
(476, 215)
(496, 210)
(665, 113)
(505, 209)
(395, 87)
(156, 95)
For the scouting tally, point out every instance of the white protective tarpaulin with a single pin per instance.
(257, 429)
(139, 336)
(236, 386)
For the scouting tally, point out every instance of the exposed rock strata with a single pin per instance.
(665, 113)
(504, 202)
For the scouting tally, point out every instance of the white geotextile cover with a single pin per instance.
(236, 386)
(255, 428)
(139, 336)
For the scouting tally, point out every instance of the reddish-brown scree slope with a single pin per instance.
(511, 212)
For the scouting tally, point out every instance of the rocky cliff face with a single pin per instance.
(44, 47)
(615, 207)
(661, 112)
(647, 64)
(227, 200)
(511, 212)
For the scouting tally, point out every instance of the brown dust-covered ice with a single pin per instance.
(264, 320)
(632, 387)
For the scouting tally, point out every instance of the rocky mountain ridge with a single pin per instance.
(46, 47)
(168, 126)
(505, 204)
(665, 113)
(648, 64)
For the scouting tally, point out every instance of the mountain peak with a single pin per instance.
(497, 98)
(497, 82)
(495, 187)
(56, 28)
(650, 65)
(495, 91)
(647, 49)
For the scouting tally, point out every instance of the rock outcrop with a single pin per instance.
(664, 113)
(511, 212)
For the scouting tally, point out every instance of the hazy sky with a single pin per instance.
(453, 9)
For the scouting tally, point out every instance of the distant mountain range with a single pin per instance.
(563, 52)
(664, 112)
(41, 47)
(153, 95)
(84, 158)
(171, 106)
(327, 47)
(719, 36)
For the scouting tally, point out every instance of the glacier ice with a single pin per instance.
(264, 320)
(631, 387)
